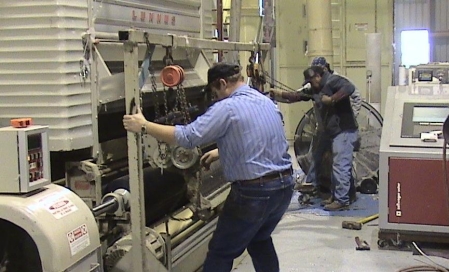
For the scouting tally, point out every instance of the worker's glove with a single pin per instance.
(327, 100)
(305, 96)
(276, 94)
(208, 158)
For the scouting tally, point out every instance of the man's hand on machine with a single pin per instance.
(134, 122)
(208, 158)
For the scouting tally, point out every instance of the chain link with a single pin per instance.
(157, 113)
(187, 119)
(183, 103)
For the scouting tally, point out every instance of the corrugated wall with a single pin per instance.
(440, 50)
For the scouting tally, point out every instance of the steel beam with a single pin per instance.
(180, 41)
(132, 93)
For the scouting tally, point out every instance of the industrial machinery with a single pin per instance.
(413, 193)
(92, 62)
(45, 224)
(428, 73)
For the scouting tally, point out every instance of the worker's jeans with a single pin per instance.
(249, 216)
(342, 151)
(321, 143)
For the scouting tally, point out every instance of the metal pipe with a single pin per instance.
(269, 32)
(234, 27)
(373, 68)
(108, 206)
(320, 30)
(220, 26)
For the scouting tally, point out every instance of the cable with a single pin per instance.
(427, 257)
(279, 84)
(418, 268)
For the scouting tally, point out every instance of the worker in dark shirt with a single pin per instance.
(336, 128)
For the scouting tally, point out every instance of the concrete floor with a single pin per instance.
(313, 243)
(307, 242)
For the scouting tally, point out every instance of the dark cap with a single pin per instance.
(312, 72)
(221, 70)
(319, 61)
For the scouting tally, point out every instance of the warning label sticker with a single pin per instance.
(78, 239)
(59, 207)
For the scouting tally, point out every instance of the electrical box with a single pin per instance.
(24, 159)
(360, 20)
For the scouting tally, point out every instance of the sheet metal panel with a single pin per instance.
(161, 16)
(41, 50)
(441, 45)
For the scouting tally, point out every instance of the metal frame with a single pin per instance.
(172, 40)
(131, 40)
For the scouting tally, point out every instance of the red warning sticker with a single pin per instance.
(78, 239)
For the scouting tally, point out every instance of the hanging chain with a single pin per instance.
(157, 112)
(256, 58)
(183, 103)
(187, 119)
(167, 60)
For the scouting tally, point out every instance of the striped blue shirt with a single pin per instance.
(249, 133)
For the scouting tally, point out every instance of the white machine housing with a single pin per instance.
(60, 224)
(25, 159)
(412, 194)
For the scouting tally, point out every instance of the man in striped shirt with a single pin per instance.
(252, 149)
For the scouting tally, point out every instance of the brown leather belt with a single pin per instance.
(268, 177)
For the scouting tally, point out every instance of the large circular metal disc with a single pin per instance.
(366, 159)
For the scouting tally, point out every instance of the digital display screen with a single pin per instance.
(430, 114)
(425, 75)
(34, 141)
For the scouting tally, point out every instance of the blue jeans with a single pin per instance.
(249, 216)
(321, 143)
(342, 151)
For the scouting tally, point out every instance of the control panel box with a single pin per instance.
(24, 159)
(430, 73)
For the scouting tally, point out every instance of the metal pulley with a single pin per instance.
(184, 158)
(172, 75)
(255, 71)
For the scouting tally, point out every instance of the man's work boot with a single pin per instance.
(336, 206)
(327, 201)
